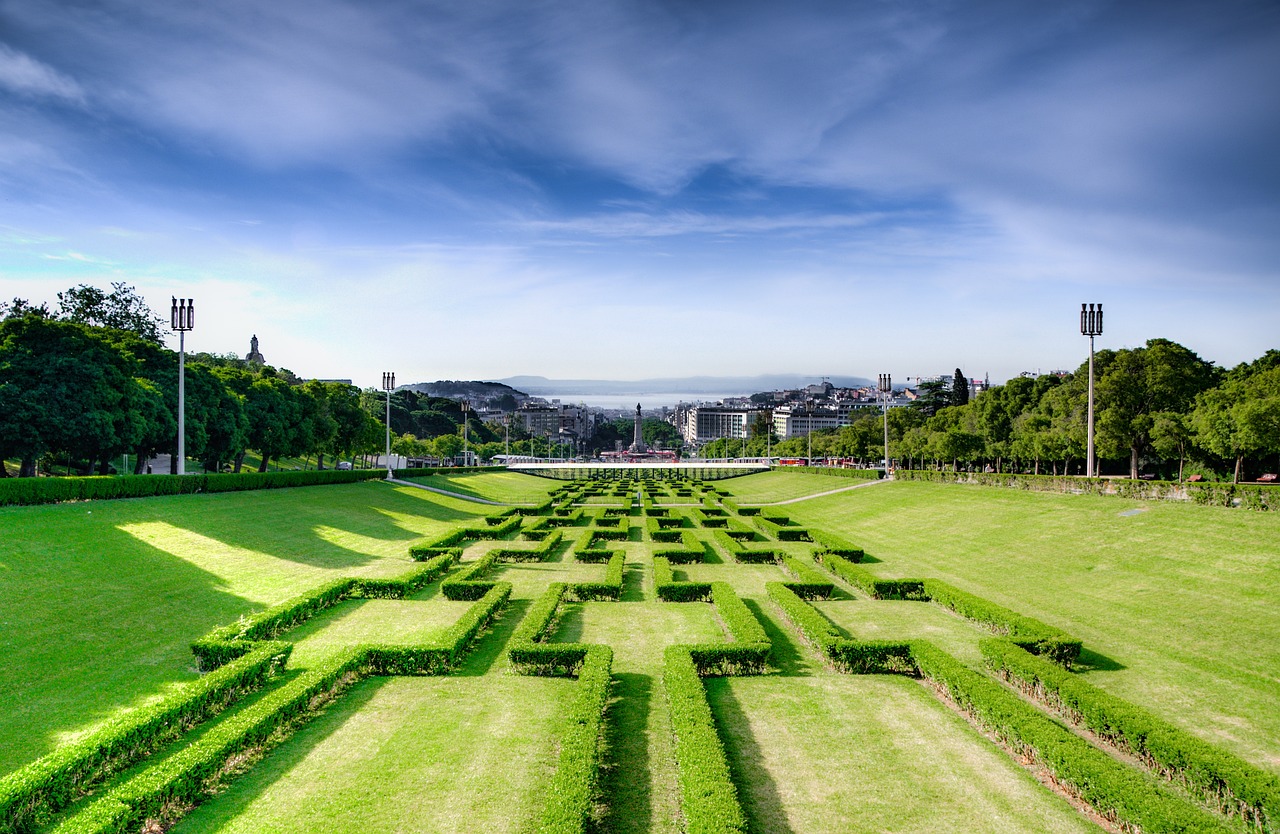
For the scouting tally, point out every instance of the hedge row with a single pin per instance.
(496, 527)
(571, 792)
(810, 583)
(828, 543)
(526, 651)
(539, 553)
(748, 654)
(855, 656)
(670, 590)
(31, 794)
(609, 589)
(782, 528)
(1116, 791)
(1027, 632)
(708, 797)
(1218, 778)
(690, 550)
(1248, 496)
(869, 583)
(738, 508)
(28, 491)
(186, 776)
(740, 552)
(467, 583)
(228, 642)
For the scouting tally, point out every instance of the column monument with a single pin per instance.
(637, 443)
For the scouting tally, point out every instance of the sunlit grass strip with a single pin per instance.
(230, 641)
(191, 773)
(1117, 791)
(1220, 779)
(31, 794)
(854, 656)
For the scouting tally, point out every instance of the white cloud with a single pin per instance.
(24, 75)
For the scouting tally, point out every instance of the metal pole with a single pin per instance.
(182, 402)
(886, 388)
(1090, 467)
(1090, 325)
(388, 383)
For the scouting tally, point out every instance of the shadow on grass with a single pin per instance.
(1091, 661)
(247, 789)
(491, 644)
(625, 777)
(710, 556)
(787, 656)
(635, 534)
(756, 788)
(632, 582)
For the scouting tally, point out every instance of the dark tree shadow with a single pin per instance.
(1091, 661)
(490, 646)
(756, 788)
(787, 656)
(632, 582)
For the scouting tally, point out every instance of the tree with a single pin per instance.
(1241, 417)
(1171, 436)
(1135, 384)
(959, 389)
(120, 309)
(933, 394)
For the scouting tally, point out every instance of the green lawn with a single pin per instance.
(781, 485)
(507, 487)
(101, 600)
(1177, 601)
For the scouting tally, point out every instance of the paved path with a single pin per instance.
(462, 497)
(820, 494)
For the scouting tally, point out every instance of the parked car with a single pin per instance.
(344, 464)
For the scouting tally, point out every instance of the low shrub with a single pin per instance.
(854, 656)
(741, 553)
(544, 549)
(709, 799)
(1027, 632)
(1218, 778)
(669, 590)
(30, 795)
(1116, 791)
(29, 491)
(810, 583)
(571, 790)
(868, 583)
(836, 546)
(609, 589)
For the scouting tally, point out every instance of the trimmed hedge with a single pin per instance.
(1116, 791)
(782, 528)
(836, 546)
(30, 795)
(748, 654)
(690, 550)
(29, 491)
(671, 591)
(708, 797)
(228, 642)
(539, 553)
(1221, 780)
(742, 553)
(497, 527)
(571, 791)
(869, 583)
(1248, 496)
(609, 589)
(1027, 632)
(854, 656)
(810, 583)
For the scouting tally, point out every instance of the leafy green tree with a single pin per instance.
(1171, 436)
(120, 309)
(959, 389)
(933, 395)
(1241, 417)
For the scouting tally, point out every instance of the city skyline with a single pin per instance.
(626, 191)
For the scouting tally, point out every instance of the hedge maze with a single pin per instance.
(640, 593)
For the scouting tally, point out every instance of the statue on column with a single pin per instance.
(637, 443)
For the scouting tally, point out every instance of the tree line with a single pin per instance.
(1159, 410)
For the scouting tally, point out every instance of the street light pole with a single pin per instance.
(886, 389)
(1090, 325)
(506, 425)
(183, 318)
(388, 384)
(466, 457)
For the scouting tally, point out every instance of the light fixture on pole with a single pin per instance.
(182, 318)
(885, 387)
(506, 425)
(388, 385)
(466, 456)
(1090, 325)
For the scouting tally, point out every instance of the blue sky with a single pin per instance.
(643, 189)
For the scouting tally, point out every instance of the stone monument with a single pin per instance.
(254, 357)
(637, 446)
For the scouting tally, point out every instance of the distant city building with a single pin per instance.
(540, 419)
(700, 424)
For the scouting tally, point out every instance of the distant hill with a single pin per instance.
(743, 385)
(479, 393)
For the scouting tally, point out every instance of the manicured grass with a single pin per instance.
(899, 620)
(781, 485)
(453, 754)
(512, 487)
(1176, 603)
(102, 599)
(397, 622)
(839, 753)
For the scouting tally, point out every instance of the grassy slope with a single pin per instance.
(781, 485)
(1178, 600)
(493, 486)
(101, 600)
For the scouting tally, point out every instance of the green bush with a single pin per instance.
(810, 584)
(671, 591)
(855, 656)
(28, 491)
(868, 583)
(31, 794)
(543, 551)
(740, 552)
(571, 790)
(467, 584)
(1027, 632)
(1118, 792)
(748, 654)
(1218, 778)
(609, 589)
(836, 546)
(709, 799)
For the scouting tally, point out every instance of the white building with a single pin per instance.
(703, 423)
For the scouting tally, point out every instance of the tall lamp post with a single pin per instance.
(1090, 325)
(885, 387)
(466, 457)
(506, 425)
(183, 318)
(388, 385)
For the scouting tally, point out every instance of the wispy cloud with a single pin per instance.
(24, 75)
